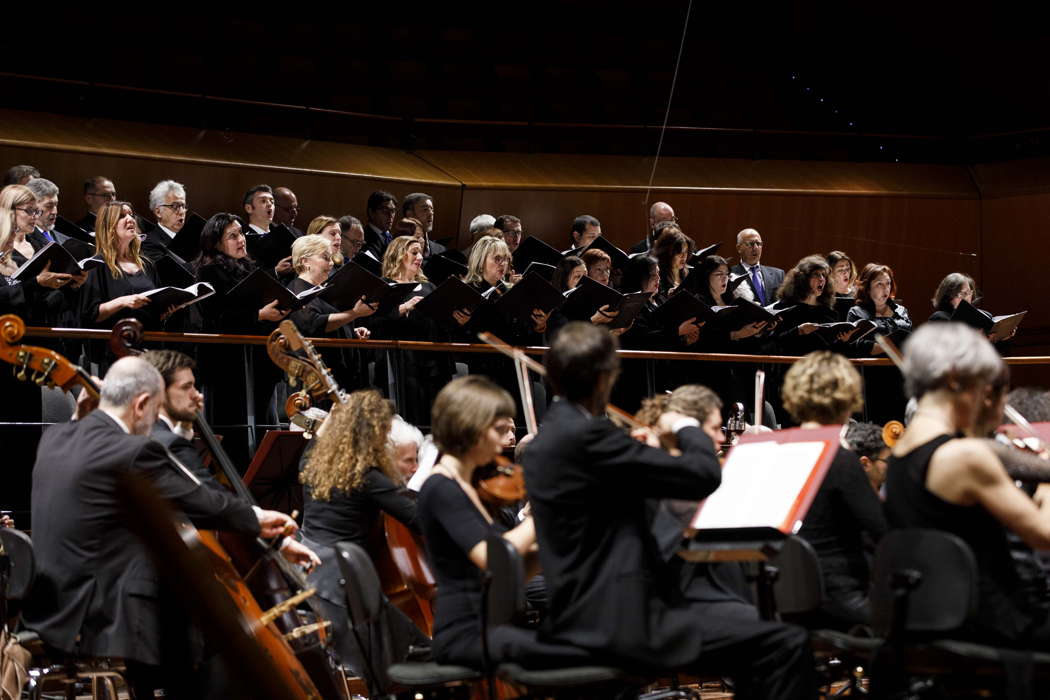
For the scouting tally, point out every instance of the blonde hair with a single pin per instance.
(320, 223)
(11, 197)
(823, 387)
(651, 409)
(464, 409)
(109, 215)
(308, 245)
(355, 440)
(395, 253)
(486, 246)
(694, 400)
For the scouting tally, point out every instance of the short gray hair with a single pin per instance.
(161, 190)
(481, 222)
(937, 351)
(744, 232)
(42, 188)
(127, 379)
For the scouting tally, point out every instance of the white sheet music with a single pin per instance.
(760, 483)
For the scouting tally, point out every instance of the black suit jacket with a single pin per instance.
(374, 241)
(772, 278)
(156, 244)
(95, 579)
(609, 588)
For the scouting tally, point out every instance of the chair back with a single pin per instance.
(364, 595)
(506, 594)
(799, 587)
(925, 581)
(20, 565)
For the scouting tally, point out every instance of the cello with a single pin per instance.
(268, 648)
(268, 577)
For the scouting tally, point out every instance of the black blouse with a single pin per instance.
(101, 287)
(355, 516)
(220, 314)
(312, 319)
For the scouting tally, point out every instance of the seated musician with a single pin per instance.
(223, 262)
(876, 289)
(115, 291)
(806, 288)
(406, 440)
(867, 442)
(609, 590)
(823, 388)
(936, 479)
(97, 592)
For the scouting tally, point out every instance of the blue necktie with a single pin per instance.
(760, 291)
(47, 235)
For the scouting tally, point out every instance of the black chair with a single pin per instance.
(924, 592)
(46, 671)
(365, 604)
(798, 590)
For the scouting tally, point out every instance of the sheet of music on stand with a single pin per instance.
(768, 483)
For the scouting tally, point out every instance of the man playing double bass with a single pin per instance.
(97, 592)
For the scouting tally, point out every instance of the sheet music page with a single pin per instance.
(760, 483)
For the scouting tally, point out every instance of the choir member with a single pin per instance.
(876, 289)
(98, 190)
(955, 287)
(381, 209)
(409, 226)
(286, 209)
(762, 280)
(585, 228)
(568, 272)
(223, 262)
(352, 236)
(115, 290)
(328, 227)
(659, 212)
(469, 419)
(823, 389)
(167, 201)
(420, 206)
(599, 265)
(512, 230)
(672, 253)
(807, 289)
(19, 175)
(938, 480)
(714, 281)
(843, 281)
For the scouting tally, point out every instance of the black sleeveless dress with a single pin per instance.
(1007, 614)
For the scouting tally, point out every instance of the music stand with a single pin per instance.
(273, 475)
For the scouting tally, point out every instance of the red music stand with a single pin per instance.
(273, 475)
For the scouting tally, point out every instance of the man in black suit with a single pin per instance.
(420, 206)
(98, 190)
(763, 281)
(382, 209)
(585, 228)
(97, 592)
(658, 212)
(609, 590)
(287, 208)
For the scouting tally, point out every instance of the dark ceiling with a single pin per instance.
(871, 81)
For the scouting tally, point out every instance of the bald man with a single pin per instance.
(286, 208)
(658, 212)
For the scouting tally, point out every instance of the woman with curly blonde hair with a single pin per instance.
(822, 389)
(350, 475)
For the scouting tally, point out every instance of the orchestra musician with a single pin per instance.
(936, 479)
(609, 591)
(97, 592)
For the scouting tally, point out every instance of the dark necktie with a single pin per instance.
(760, 290)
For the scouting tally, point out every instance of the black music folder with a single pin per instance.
(542, 269)
(452, 295)
(829, 332)
(61, 258)
(259, 289)
(165, 297)
(534, 250)
(745, 312)
(532, 292)
(619, 258)
(442, 266)
(983, 321)
(630, 307)
(270, 248)
(587, 297)
(698, 257)
(68, 228)
(187, 242)
(368, 261)
(174, 271)
(352, 282)
(684, 305)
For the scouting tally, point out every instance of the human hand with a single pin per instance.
(362, 333)
(361, 309)
(284, 267)
(405, 308)
(77, 281)
(844, 336)
(689, 331)
(132, 301)
(749, 330)
(86, 403)
(461, 317)
(272, 313)
(806, 328)
(52, 280)
(876, 349)
(539, 320)
(604, 315)
(298, 553)
(167, 314)
(6, 520)
(273, 523)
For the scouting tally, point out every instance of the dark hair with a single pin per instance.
(560, 279)
(663, 226)
(671, 242)
(579, 355)
(16, 173)
(250, 194)
(503, 220)
(636, 272)
(379, 198)
(93, 181)
(837, 256)
(410, 201)
(1032, 402)
(703, 271)
(867, 276)
(211, 245)
(796, 282)
(168, 362)
(581, 222)
(950, 287)
(865, 439)
(348, 222)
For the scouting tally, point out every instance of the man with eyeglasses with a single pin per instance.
(46, 193)
(382, 209)
(98, 190)
(420, 206)
(167, 201)
(286, 209)
(658, 212)
(512, 230)
(352, 236)
(763, 281)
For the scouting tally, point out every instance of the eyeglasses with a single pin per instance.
(752, 244)
(112, 196)
(354, 243)
(175, 206)
(29, 212)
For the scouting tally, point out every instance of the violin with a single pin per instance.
(500, 483)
